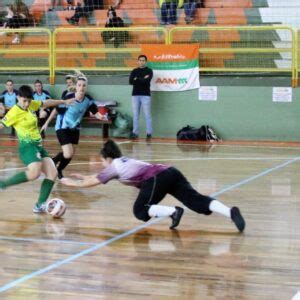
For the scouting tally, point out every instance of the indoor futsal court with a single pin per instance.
(98, 250)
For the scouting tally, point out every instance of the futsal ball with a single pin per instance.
(56, 207)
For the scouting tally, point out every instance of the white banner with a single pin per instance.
(175, 67)
(175, 80)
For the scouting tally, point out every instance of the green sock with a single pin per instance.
(45, 191)
(15, 179)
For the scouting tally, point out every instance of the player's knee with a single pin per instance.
(43, 115)
(52, 174)
(33, 174)
(141, 213)
(68, 155)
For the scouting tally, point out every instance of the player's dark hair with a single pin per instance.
(26, 92)
(110, 149)
(143, 56)
(9, 80)
(38, 81)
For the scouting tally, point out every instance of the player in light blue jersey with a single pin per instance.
(68, 123)
(8, 99)
(71, 88)
(41, 95)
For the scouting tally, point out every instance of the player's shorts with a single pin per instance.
(68, 136)
(47, 110)
(32, 152)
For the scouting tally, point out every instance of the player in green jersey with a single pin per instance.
(23, 118)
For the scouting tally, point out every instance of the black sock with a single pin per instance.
(58, 158)
(63, 163)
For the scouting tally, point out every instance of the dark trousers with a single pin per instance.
(173, 182)
(81, 12)
(169, 12)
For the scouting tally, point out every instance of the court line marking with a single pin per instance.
(219, 145)
(129, 232)
(55, 140)
(75, 256)
(261, 174)
(177, 144)
(174, 159)
(201, 158)
(7, 238)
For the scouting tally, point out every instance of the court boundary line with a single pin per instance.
(173, 159)
(55, 140)
(181, 144)
(249, 179)
(218, 145)
(75, 256)
(129, 232)
(33, 240)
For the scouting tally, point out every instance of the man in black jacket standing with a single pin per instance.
(140, 78)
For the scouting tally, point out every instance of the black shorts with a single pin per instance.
(47, 110)
(68, 136)
(170, 181)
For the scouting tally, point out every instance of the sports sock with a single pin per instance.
(219, 207)
(63, 163)
(161, 211)
(15, 179)
(46, 188)
(57, 158)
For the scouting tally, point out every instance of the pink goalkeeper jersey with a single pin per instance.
(130, 171)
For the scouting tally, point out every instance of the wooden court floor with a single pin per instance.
(100, 251)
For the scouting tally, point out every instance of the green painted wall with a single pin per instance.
(244, 110)
(241, 112)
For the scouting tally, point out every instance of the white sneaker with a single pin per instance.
(39, 209)
(16, 40)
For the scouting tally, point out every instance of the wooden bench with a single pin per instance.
(105, 124)
(109, 109)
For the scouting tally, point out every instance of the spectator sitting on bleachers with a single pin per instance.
(190, 8)
(114, 37)
(169, 11)
(8, 99)
(18, 15)
(84, 10)
(55, 3)
(9, 15)
(22, 11)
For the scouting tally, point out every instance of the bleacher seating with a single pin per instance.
(147, 13)
(220, 12)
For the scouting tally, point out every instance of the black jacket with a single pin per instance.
(141, 85)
